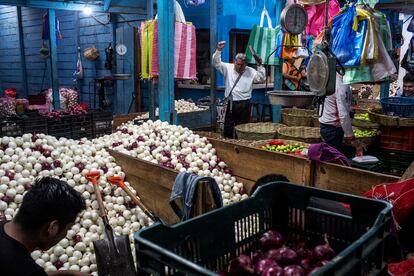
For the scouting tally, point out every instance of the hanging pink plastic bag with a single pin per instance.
(316, 16)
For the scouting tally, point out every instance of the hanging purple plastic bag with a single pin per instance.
(322, 152)
(195, 2)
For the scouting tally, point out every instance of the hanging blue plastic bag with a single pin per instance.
(347, 44)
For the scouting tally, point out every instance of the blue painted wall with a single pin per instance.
(75, 27)
(10, 75)
(241, 15)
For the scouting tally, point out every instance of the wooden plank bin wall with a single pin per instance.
(192, 120)
(154, 183)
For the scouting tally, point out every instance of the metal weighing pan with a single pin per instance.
(291, 98)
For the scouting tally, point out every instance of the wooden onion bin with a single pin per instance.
(154, 183)
(252, 163)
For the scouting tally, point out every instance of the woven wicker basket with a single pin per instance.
(259, 144)
(303, 134)
(257, 131)
(315, 121)
(366, 141)
(364, 124)
(377, 116)
(297, 117)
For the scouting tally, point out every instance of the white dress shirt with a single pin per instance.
(243, 89)
(337, 107)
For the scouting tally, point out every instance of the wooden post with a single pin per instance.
(166, 60)
(54, 59)
(213, 45)
(278, 79)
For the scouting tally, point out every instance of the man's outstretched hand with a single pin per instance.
(221, 45)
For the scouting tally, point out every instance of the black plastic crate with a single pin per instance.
(11, 126)
(59, 127)
(81, 126)
(205, 244)
(34, 123)
(101, 123)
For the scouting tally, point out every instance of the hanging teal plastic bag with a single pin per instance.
(347, 44)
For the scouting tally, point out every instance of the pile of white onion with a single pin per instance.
(181, 106)
(27, 157)
(177, 148)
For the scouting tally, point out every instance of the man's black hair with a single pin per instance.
(267, 179)
(408, 77)
(47, 200)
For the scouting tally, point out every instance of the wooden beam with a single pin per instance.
(166, 60)
(54, 59)
(61, 5)
(107, 4)
(22, 52)
(213, 45)
(278, 79)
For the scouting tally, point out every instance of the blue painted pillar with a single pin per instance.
(385, 89)
(54, 59)
(22, 54)
(277, 109)
(213, 46)
(166, 59)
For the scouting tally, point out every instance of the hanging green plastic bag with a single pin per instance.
(262, 39)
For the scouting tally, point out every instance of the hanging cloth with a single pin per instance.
(316, 16)
(46, 28)
(78, 74)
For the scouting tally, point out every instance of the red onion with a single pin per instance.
(2, 217)
(124, 130)
(80, 166)
(7, 199)
(323, 252)
(131, 204)
(242, 265)
(57, 164)
(46, 166)
(34, 137)
(273, 271)
(257, 256)
(314, 270)
(294, 270)
(58, 264)
(306, 264)
(27, 186)
(263, 265)
(10, 175)
(283, 256)
(46, 153)
(242, 191)
(141, 139)
(77, 238)
(271, 240)
(104, 168)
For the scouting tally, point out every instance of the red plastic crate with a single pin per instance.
(397, 138)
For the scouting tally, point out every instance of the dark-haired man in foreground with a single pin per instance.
(48, 210)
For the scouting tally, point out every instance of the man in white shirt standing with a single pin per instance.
(336, 121)
(240, 87)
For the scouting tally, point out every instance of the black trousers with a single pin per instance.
(332, 135)
(240, 115)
